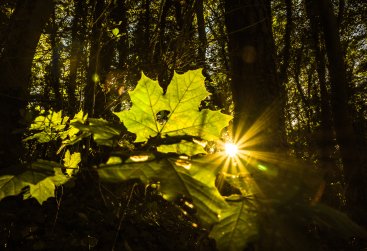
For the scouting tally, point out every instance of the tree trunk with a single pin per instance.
(202, 35)
(94, 98)
(353, 160)
(77, 39)
(287, 42)
(325, 136)
(26, 26)
(255, 86)
(119, 16)
(55, 64)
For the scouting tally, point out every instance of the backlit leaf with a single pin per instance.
(236, 228)
(184, 147)
(141, 119)
(38, 182)
(179, 106)
(10, 185)
(176, 179)
(71, 162)
(115, 31)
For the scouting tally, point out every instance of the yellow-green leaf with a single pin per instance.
(71, 162)
(141, 119)
(184, 147)
(115, 31)
(236, 228)
(180, 104)
(176, 177)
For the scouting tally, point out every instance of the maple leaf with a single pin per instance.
(237, 226)
(71, 162)
(181, 101)
(39, 182)
(141, 119)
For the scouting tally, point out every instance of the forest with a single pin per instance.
(204, 125)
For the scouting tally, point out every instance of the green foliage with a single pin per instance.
(37, 182)
(41, 179)
(237, 227)
(48, 126)
(51, 125)
(71, 162)
(176, 177)
(172, 122)
(181, 101)
(104, 132)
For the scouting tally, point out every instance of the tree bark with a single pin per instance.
(25, 28)
(119, 16)
(287, 42)
(55, 64)
(202, 35)
(325, 136)
(94, 100)
(77, 39)
(255, 86)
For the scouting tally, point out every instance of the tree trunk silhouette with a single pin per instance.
(325, 136)
(255, 87)
(283, 73)
(55, 64)
(202, 35)
(25, 28)
(77, 39)
(119, 16)
(94, 98)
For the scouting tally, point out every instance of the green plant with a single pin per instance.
(173, 131)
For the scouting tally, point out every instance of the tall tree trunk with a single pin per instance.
(77, 39)
(255, 86)
(142, 42)
(55, 64)
(25, 28)
(202, 35)
(119, 16)
(160, 46)
(325, 136)
(354, 162)
(287, 42)
(94, 98)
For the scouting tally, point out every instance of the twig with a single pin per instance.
(123, 216)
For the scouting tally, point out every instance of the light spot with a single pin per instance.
(231, 149)
(183, 163)
(139, 158)
(262, 167)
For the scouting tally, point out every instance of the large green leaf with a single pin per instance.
(180, 104)
(183, 98)
(237, 226)
(176, 177)
(148, 100)
(71, 135)
(41, 181)
(10, 185)
(41, 191)
(184, 147)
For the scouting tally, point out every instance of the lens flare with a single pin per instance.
(231, 149)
